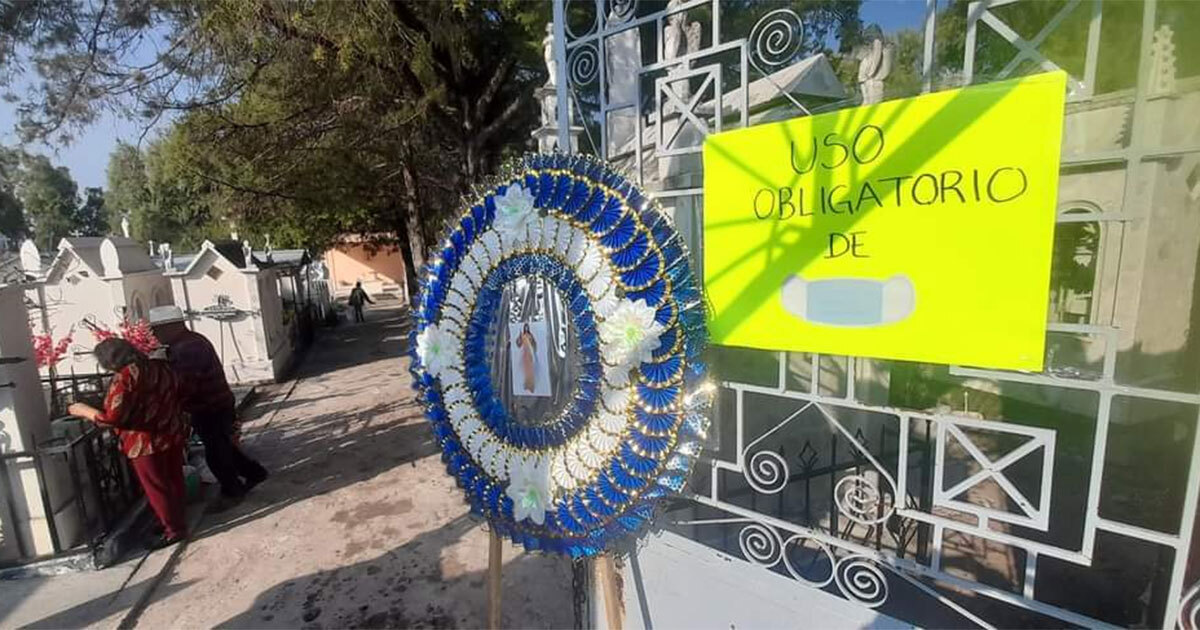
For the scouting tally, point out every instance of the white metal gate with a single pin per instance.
(999, 498)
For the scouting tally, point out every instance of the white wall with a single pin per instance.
(74, 297)
(24, 423)
(66, 304)
(255, 346)
(142, 291)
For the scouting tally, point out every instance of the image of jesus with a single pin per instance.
(527, 345)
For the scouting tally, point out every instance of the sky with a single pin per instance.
(893, 15)
(87, 156)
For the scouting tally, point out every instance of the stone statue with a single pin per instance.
(164, 254)
(672, 33)
(248, 254)
(546, 135)
(125, 225)
(548, 54)
(692, 32)
(875, 65)
(680, 37)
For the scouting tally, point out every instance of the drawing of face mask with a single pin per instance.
(849, 301)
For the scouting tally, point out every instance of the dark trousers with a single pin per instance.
(226, 461)
(358, 313)
(161, 476)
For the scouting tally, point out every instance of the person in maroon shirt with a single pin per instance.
(144, 409)
(208, 398)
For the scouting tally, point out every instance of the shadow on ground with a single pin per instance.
(341, 443)
(415, 585)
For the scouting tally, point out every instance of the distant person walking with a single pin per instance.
(144, 409)
(207, 397)
(357, 298)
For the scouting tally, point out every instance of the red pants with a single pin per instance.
(161, 475)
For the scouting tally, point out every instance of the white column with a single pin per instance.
(24, 422)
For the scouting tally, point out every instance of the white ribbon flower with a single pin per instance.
(435, 348)
(630, 335)
(514, 210)
(529, 489)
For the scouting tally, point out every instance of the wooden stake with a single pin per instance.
(495, 555)
(606, 579)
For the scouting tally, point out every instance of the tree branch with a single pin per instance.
(504, 117)
(493, 84)
(442, 62)
(92, 49)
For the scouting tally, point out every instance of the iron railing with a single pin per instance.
(65, 389)
(1066, 496)
(85, 488)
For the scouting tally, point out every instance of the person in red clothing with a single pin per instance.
(144, 409)
(208, 398)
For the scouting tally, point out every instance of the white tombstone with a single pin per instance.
(31, 258)
(25, 423)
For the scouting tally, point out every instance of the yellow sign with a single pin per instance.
(917, 229)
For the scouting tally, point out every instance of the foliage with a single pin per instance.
(12, 213)
(128, 188)
(41, 200)
(163, 203)
(1066, 46)
(49, 197)
(90, 218)
(305, 120)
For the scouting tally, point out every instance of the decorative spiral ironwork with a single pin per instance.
(861, 580)
(767, 472)
(760, 544)
(584, 64)
(776, 38)
(858, 498)
(799, 541)
(1189, 609)
(619, 11)
(587, 7)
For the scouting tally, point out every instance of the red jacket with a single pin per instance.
(143, 408)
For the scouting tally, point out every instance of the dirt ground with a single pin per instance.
(359, 524)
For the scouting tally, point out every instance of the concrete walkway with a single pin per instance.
(98, 599)
(359, 525)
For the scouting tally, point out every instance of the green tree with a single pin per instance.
(128, 189)
(12, 214)
(1119, 46)
(307, 118)
(91, 219)
(164, 201)
(181, 207)
(49, 197)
